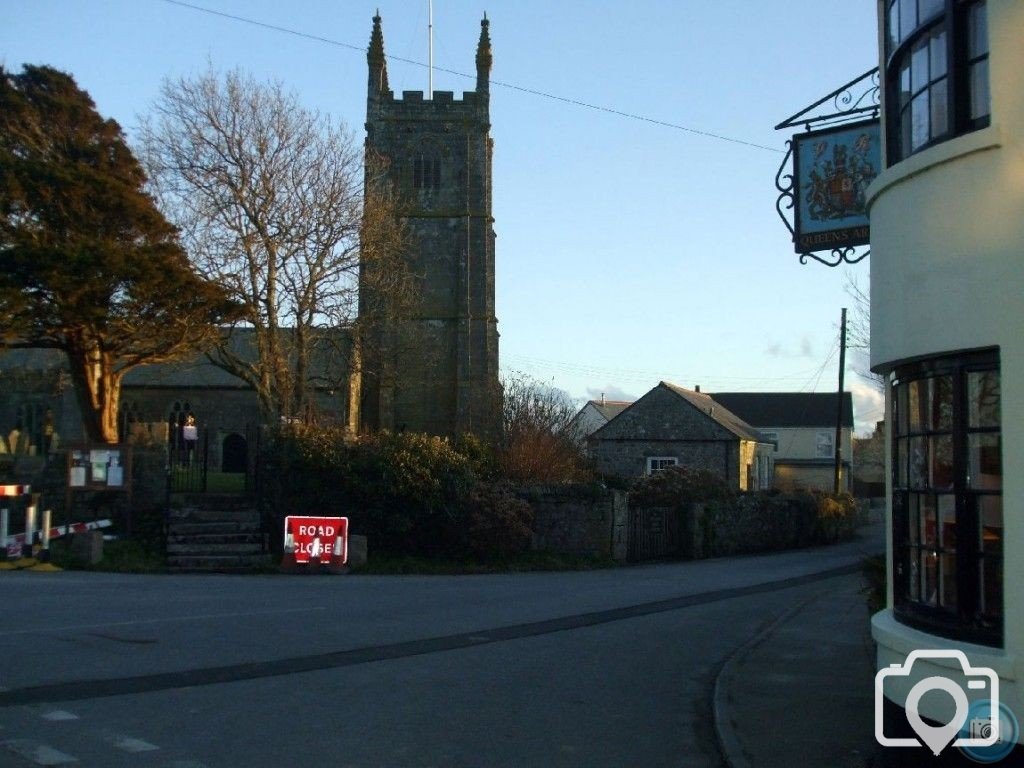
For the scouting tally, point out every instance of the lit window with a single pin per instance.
(658, 463)
(947, 497)
(936, 72)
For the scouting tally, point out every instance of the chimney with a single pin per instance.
(697, 388)
(602, 398)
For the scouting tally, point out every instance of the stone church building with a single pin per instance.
(436, 371)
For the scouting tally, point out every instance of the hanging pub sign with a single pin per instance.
(832, 168)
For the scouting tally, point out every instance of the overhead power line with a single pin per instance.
(499, 83)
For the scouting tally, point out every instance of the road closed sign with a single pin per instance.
(317, 539)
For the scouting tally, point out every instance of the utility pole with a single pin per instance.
(839, 404)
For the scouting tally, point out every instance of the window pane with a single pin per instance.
(990, 515)
(904, 82)
(913, 521)
(905, 132)
(947, 520)
(977, 31)
(930, 574)
(900, 461)
(942, 462)
(919, 117)
(940, 111)
(979, 90)
(937, 53)
(983, 398)
(908, 17)
(991, 587)
(917, 405)
(918, 462)
(902, 391)
(914, 578)
(930, 8)
(985, 465)
(947, 596)
(919, 65)
(894, 25)
(942, 402)
(929, 533)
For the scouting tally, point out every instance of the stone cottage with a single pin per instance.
(672, 426)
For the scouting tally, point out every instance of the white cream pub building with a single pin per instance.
(947, 331)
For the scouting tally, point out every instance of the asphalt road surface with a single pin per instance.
(600, 668)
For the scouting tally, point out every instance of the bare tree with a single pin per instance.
(271, 201)
(538, 443)
(858, 329)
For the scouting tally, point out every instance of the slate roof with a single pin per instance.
(195, 372)
(610, 408)
(718, 412)
(787, 409)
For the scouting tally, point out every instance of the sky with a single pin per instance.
(628, 252)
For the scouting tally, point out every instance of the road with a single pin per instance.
(600, 668)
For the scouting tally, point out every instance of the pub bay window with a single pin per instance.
(936, 72)
(947, 497)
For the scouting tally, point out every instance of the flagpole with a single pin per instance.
(430, 48)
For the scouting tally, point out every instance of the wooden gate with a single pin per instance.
(653, 533)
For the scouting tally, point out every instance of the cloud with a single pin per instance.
(805, 348)
(610, 392)
(868, 406)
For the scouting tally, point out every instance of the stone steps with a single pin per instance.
(215, 533)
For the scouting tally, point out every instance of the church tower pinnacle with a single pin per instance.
(378, 78)
(484, 59)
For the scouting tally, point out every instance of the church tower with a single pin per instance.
(436, 371)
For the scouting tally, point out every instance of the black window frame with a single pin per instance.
(965, 620)
(954, 20)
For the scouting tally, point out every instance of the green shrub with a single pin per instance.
(411, 494)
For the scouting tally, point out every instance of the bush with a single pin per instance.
(679, 486)
(411, 494)
(494, 522)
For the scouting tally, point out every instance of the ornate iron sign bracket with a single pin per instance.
(856, 100)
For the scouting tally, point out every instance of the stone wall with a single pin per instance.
(628, 458)
(578, 520)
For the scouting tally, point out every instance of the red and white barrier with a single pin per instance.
(16, 542)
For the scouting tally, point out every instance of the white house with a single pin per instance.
(802, 426)
(947, 330)
(594, 415)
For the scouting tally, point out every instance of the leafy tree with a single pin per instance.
(270, 197)
(88, 265)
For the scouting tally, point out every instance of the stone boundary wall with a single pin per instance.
(578, 520)
(590, 520)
